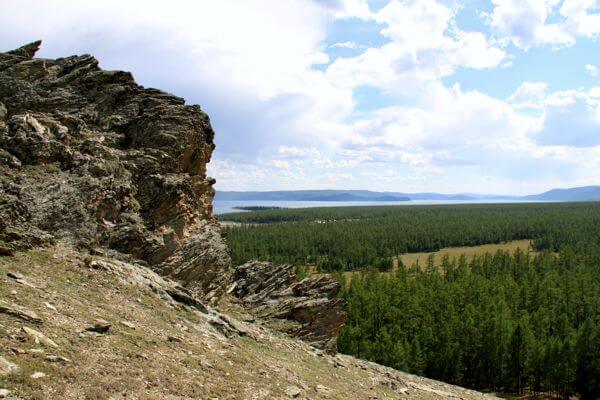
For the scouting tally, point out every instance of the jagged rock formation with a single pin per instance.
(90, 157)
(312, 307)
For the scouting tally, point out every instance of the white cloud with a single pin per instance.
(524, 22)
(425, 46)
(472, 50)
(416, 24)
(454, 119)
(281, 164)
(469, 135)
(582, 16)
(571, 118)
(294, 152)
(529, 95)
(594, 92)
(346, 45)
(591, 69)
(347, 8)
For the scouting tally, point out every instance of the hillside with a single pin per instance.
(585, 193)
(157, 348)
(114, 279)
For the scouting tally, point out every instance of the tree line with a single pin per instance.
(351, 238)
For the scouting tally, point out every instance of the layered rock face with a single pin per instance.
(91, 158)
(311, 306)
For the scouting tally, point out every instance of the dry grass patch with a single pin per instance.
(469, 252)
(410, 259)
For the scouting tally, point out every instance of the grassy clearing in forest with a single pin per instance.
(409, 259)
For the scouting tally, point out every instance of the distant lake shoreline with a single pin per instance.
(230, 206)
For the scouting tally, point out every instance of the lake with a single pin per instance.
(227, 206)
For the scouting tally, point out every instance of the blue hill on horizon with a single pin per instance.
(585, 193)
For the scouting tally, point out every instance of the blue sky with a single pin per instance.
(495, 96)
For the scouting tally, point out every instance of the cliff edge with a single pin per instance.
(91, 158)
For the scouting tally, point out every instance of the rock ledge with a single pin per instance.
(311, 306)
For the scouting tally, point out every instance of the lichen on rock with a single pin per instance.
(90, 157)
(311, 306)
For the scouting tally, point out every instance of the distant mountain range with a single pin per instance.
(313, 195)
(586, 193)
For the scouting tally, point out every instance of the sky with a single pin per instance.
(453, 96)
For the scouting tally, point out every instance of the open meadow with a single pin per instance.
(469, 252)
(421, 259)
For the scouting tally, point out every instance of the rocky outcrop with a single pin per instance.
(91, 158)
(165, 289)
(312, 307)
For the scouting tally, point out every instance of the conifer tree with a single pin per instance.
(587, 380)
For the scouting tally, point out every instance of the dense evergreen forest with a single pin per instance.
(510, 322)
(503, 322)
(351, 238)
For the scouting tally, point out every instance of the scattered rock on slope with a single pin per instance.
(7, 367)
(39, 337)
(20, 313)
(165, 288)
(209, 362)
(99, 326)
(312, 305)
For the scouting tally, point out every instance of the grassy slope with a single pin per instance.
(142, 363)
